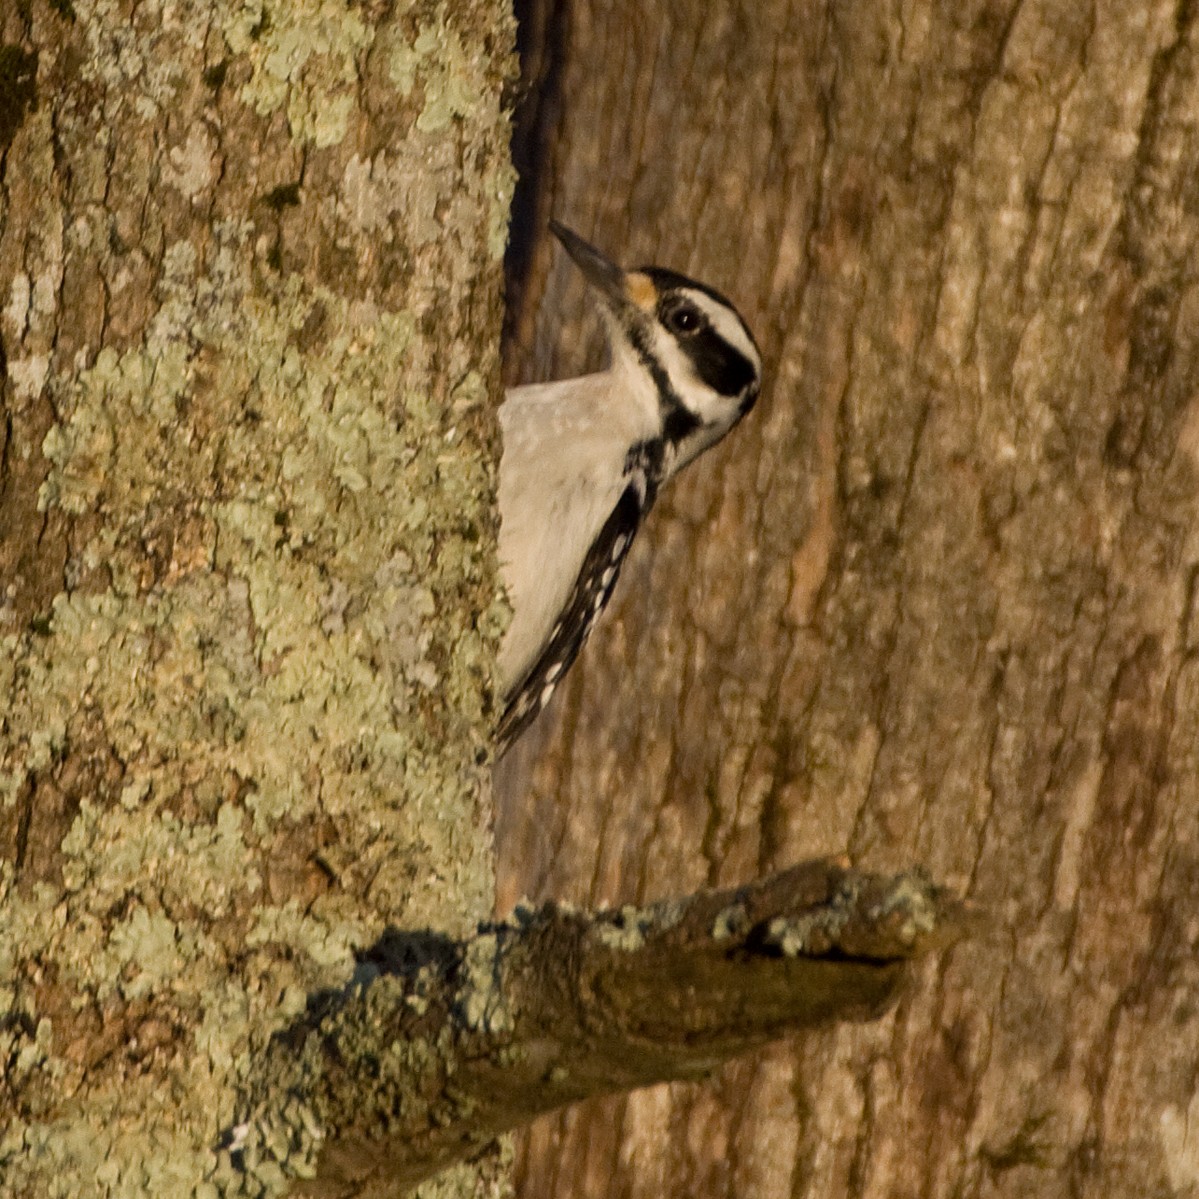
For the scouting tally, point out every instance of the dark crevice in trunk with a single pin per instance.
(541, 42)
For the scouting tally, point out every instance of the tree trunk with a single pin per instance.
(250, 292)
(933, 602)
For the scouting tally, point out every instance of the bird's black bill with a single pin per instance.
(600, 272)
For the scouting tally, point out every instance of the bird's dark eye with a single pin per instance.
(683, 318)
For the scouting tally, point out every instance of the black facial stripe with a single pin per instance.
(724, 369)
(678, 420)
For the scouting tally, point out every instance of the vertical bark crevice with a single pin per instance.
(18, 94)
(542, 46)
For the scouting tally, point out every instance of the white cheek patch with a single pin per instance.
(674, 362)
(696, 396)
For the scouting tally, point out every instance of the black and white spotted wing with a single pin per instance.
(589, 597)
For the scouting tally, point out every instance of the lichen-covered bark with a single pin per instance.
(934, 600)
(439, 1045)
(249, 294)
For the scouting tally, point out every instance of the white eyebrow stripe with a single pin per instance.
(727, 323)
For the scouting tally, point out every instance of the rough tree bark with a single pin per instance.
(250, 266)
(250, 260)
(935, 601)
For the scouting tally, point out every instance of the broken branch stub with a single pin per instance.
(439, 1046)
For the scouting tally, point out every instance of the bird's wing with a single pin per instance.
(588, 597)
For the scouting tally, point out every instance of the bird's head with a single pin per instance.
(691, 343)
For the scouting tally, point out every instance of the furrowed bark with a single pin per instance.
(935, 599)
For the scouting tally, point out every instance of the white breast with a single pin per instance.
(561, 474)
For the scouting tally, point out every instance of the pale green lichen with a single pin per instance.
(144, 951)
(497, 222)
(481, 999)
(335, 449)
(452, 87)
(87, 446)
(122, 57)
(286, 655)
(730, 922)
(453, 79)
(626, 929)
(331, 949)
(120, 1163)
(304, 55)
(798, 936)
(913, 897)
(816, 932)
(454, 83)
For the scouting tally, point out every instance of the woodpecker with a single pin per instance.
(583, 459)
